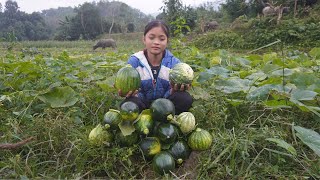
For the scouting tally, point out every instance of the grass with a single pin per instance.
(61, 149)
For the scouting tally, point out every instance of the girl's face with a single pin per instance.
(155, 41)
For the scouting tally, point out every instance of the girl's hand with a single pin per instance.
(129, 94)
(178, 87)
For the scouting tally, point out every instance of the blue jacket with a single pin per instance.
(161, 88)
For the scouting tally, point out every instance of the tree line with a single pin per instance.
(90, 20)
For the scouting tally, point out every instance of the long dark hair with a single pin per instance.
(157, 23)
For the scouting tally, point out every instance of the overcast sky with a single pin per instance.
(146, 6)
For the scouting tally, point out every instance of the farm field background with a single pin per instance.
(262, 109)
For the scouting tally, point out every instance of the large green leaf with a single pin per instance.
(309, 137)
(260, 93)
(303, 95)
(257, 76)
(283, 72)
(233, 85)
(212, 72)
(305, 80)
(59, 97)
(126, 128)
(199, 93)
(283, 144)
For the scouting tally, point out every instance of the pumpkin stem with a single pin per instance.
(107, 126)
(179, 161)
(172, 119)
(146, 131)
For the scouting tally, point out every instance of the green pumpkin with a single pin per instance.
(200, 140)
(161, 108)
(167, 133)
(129, 111)
(180, 151)
(150, 146)
(127, 79)
(163, 163)
(181, 73)
(144, 122)
(186, 122)
(113, 118)
(129, 140)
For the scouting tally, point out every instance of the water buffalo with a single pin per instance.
(213, 25)
(103, 43)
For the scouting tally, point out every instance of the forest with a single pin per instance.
(255, 86)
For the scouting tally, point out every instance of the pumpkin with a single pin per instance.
(181, 73)
(125, 141)
(150, 146)
(144, 122)
(113, 118)
(161, 108)
(180, 151)
(167, 133)
(186, 122)
(127, 79)
(199, 140)
(129, 111)
(163, 163)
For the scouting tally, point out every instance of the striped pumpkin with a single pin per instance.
(127, 79)
(186, 122)
(200, 140)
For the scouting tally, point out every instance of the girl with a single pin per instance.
(153, 65)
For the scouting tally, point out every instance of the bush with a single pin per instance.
(219, 40)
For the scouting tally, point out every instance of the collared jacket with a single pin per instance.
(151, 88)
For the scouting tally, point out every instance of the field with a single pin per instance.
(262, 109)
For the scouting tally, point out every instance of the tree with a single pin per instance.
(130, 27)
(11, 7)
(22, 25)
(235, 8)
(180, 18)
(88, 18)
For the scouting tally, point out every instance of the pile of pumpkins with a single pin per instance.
(164, 138)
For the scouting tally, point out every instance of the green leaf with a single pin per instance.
(305, 80)
(309, 137)
(233, 85)
(278, 104)
(260, 93)
(285, 72)
(126, 128)
(212, 72)
(283, 144)
(108, 84)
(199, 93)
(59, 97)
(315, 53)
(257, 76)
(303, 95)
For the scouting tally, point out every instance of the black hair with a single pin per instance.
(157, 23)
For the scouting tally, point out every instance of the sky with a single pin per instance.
(145, 6)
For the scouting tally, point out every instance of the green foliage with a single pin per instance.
(180, 26)
(220, 39)
(181, 19)
(23, 26)
(255, 33)
(266, 129)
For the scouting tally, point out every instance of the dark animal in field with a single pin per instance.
(213, 25)
(103, 43)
